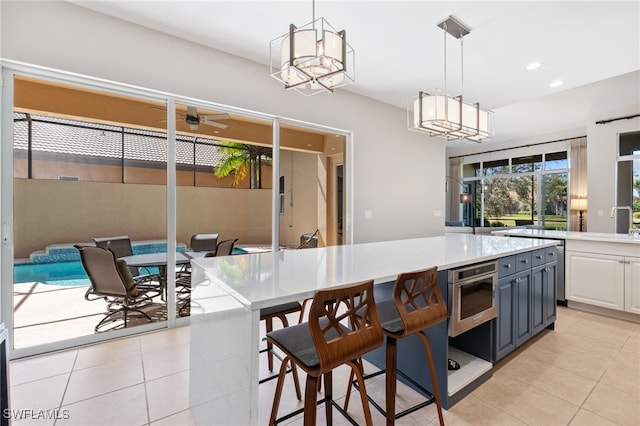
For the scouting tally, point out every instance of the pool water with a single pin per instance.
(60, 273)
(48, 272)
(64, 273)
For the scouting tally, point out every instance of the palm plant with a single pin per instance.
(242, 160)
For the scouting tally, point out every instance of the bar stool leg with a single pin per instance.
(434, 379)
(328, 397)
(269, 328)
(278, 393)
(391, 377)
(310, 398)
(356, 367)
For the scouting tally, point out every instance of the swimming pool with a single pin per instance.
(69, 273)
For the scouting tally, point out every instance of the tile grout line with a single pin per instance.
(609, 364)
(144, 381)
(66, 386)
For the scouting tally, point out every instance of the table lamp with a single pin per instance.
(465, 198)
(579, 204)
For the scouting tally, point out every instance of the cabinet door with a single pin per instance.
(538, 308)
(632, 284)
(523, 306)
(505, 331)
(550, 290)
(597, 279)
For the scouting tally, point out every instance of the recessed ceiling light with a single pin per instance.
(556, 83)
(534, 66)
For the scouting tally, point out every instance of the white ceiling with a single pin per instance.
(592, 46)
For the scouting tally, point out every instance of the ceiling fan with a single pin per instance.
(193, 119)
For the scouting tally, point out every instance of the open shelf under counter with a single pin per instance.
(471, 369)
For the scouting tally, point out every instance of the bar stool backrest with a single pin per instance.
(419, 301)
(335, 343)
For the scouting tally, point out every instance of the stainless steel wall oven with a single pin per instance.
(472, 296)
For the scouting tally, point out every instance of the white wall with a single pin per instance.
(398, 175)
(602, 151)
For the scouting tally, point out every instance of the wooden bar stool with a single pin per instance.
(324, 343)
(417, 304)
(267, 315)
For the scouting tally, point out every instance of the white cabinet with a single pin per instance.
(632, 285)
(604, 274)
(596, 279)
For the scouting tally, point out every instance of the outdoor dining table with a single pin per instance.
(159, 260)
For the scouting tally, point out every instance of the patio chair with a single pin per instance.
(183, 279)
(204, 242)
(111, 280)
(120, 246)
(224, 248)
(308, 240)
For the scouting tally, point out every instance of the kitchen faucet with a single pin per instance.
(613, 210)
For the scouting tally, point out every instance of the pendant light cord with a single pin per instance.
(444, 32)
(462, 65)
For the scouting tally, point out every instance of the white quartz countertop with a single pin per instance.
(266, 279)
(570, 235)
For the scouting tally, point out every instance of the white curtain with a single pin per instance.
(577, 180)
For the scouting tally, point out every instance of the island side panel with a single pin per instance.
(223, 358)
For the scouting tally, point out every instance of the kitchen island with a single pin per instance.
(228, 293)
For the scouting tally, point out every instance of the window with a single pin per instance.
(527, 190)
(472, 170)
(628, 185)
(499, 167)
(531, 163)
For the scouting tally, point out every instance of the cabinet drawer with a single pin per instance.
(551, 254)
(506, 266)
(539, 257)
(523, 261)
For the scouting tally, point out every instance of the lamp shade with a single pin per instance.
(579, 204)
(465, 198)
(312, 59)
(449, 117)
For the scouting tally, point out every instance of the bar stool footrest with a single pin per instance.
(332, 402)
(273, 376)
(415, 385)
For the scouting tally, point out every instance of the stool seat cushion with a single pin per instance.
(297, 341)
(284, 308)
(389, 317)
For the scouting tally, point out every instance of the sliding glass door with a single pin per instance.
(86, 166)
(88, 161)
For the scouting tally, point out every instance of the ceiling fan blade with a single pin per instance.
(214, 124)
(221, 116)
(192, 111)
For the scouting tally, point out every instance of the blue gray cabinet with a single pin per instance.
(522, 284)
(526, 298)
(505, 321)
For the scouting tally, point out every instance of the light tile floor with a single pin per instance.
(586, 372)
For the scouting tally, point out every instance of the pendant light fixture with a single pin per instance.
(313, 58)
(450, 117)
